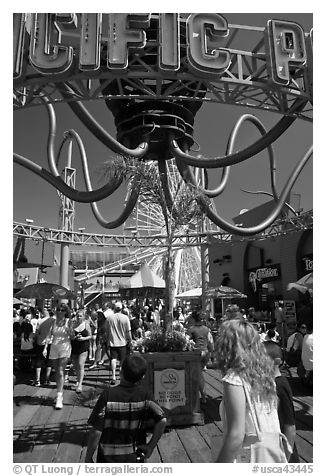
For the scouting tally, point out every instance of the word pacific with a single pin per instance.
(38, 41)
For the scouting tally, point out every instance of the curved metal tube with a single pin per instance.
(128, 208)
(64, 140)
(229, 150)
(131, 200)
(57, 182)
(188, 176)
(92, 125)
(244, 154)
(262, 192)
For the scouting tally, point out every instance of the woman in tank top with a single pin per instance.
(80, 346)
(246, 370)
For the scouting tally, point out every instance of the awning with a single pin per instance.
(304, 284)
(144, 278)
(191, 293)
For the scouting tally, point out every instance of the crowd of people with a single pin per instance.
(256, 396)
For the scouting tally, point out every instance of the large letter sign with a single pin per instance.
(18, 43)
(203, 33)
(122, 36)
(90, 41)
(169, 52)
(46, 54)
(287, 48)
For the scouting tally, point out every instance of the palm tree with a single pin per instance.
(176, 201)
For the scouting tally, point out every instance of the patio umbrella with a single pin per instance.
(303, 285)
(17, 302)
(225, 292)
(46, 291)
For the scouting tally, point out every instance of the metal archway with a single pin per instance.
(155, 94)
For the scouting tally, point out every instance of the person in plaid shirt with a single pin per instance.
(121, 415)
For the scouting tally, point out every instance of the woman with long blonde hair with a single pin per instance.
(248, 384)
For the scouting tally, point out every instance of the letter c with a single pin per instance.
(204, 31)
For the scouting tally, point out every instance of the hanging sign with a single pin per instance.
(169, 388)
(290, 315)
(259, 276)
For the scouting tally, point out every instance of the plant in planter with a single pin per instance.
(159, 341)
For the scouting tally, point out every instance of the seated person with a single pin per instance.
(120, 416)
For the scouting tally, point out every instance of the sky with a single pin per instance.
(33, 198)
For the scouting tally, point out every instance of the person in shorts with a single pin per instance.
(203, 339)
(118, 331)
(42, 337)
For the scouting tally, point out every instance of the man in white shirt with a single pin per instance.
(118, 333)
(42, 337)
(108, 311)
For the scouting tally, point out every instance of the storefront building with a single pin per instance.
(262, 269)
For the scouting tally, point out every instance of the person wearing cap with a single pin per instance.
(118, 331)
(42, 337)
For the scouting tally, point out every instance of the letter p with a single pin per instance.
(287, 49)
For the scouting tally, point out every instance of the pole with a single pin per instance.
(64, 265)
(206, 300)
(67, 220)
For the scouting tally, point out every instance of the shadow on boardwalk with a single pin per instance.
(44, 435)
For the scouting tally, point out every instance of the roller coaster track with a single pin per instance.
(157, 242)
(147, 247)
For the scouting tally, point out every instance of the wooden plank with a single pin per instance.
(171, 449)
(301, 404)
(29, 409)
(305, 449)
(69, 450)
(194, 444)
(208, 430)
(155, 457)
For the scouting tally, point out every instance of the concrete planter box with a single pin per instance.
(172, 380)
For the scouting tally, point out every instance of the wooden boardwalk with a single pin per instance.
(45, 435)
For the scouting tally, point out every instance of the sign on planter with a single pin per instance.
(169, 388)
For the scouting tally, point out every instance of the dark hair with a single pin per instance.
(134, 368)
(64, 308)
(270, 326)
(196, 315)
(271, 333)
(17, 329)
(27, 329)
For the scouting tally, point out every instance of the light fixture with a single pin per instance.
(29, 220)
